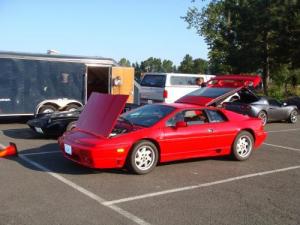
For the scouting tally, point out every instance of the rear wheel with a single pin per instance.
(242, 146)
(143, 158)
(72, 107)
(293, 116)
(263, 116)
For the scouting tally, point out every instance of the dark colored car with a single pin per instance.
(295, 100)
(55, 124)
(268, 109)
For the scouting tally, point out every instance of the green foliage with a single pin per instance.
(246, 36)
(187, 64)
(124, 62)
(200, 66)
(197, 66)
(151, 65)
(167, 66)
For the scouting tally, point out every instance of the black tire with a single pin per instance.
(263, 116)
(138, 157)
(242, 146)
(293, 117)
(47, 109)
(72, 107)
(71, 126)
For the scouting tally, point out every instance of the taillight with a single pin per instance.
(165, 94)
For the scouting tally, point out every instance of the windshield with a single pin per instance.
(147, 115)
(210, 92)
(151, 80)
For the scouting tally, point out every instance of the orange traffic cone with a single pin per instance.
(9, 150)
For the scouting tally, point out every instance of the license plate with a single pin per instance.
(39, 130)
(68, 149)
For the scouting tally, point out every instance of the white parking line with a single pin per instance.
(153, 194)
(40, 153)
(287, 130)
(284, 147)
(86, 192)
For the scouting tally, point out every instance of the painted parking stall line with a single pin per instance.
(286, 130)
(175, 190)
(40, 153)
(86, 192)
(283, 147)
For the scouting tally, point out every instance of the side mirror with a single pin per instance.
(180, 124)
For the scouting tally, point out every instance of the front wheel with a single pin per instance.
(293, 116)
(242, 146)
(71, 126)
(143, 157)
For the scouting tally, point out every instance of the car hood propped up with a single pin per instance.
(101, 113)
(206, 101)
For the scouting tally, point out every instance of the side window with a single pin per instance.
(181, 80)
(273, 102)
(215, 116)
(191, 117)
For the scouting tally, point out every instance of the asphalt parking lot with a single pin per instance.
(41, 187)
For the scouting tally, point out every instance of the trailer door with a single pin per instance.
(123, 81)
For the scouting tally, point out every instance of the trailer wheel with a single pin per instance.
(72, 107)
(47, 109)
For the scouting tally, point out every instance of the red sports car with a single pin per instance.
(156, 133)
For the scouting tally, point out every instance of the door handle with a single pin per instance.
(210, 130)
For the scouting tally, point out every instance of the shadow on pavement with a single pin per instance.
(25, 133)
(14, 119)
(55, 162)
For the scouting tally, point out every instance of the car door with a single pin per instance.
(275, 110)
(222, 130)
(186, 141)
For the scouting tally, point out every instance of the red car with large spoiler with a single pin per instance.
(221, 89)
(156, 133)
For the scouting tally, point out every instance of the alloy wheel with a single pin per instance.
(244, 146)
(144, 157)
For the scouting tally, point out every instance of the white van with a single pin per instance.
(168, 87)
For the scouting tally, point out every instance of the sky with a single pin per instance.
(133, 29)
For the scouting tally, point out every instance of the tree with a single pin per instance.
(167, 66)
(137, 71)
(124, 62)
(151, 65)
(187, 65)
(200, 66)
(245, 36)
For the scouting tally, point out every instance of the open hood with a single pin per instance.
(221, 98)
(101, 113)
(208, 96)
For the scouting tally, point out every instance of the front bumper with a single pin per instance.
(98, 157)
(42, 126)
